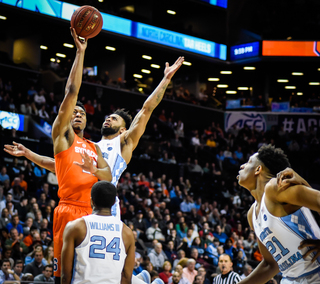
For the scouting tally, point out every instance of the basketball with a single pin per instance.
(87, 21)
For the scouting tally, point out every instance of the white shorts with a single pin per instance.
(310, 279)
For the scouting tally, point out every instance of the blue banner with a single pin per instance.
(243, 51)
(9, 120)
(127, 27)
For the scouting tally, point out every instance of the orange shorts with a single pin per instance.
(64, 213)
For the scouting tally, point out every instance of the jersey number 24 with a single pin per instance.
(112, 247)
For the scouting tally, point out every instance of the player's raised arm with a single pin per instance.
(140, 121)
(62, 121)
(19, 150)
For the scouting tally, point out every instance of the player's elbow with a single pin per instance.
(65, 277)
(126, 277)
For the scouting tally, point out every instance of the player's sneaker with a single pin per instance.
(145, 276)
(157, 281)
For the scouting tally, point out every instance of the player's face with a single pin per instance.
(112, 125)
(246, 177)
(78, 119)
(225, 264)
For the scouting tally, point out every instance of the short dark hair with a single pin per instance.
(125, 115)
(18, 261)
(103, 194)
(46, 266)
(80, 104)
(5, 260)
(273, 158)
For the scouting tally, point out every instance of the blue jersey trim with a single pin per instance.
(304, 275)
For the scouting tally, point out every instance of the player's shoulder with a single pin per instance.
(249, 215)
(75, 225)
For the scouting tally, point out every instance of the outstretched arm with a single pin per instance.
(140, 121)
(62, 121)
(19, 150)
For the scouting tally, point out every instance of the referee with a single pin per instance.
(227, 276)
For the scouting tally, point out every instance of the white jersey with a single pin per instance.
(101, 256)
(111, 152)
(282, 236)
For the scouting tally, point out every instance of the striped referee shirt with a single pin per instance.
(229, 278)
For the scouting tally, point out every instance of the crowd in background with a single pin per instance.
(182, 222)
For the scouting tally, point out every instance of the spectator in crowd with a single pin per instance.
(15, 223)
(18, 268)
(154, 232)
(36, 266)
(48, 255)
(46, 275)
(157, 257)
(14, 239)
(140, 224)
(4, 220)
(246, 271)
(3, 174)
(166, 272)
(189, 271)
(6, 273)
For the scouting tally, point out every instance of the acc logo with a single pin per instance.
(84, 145)
(109, 148)
(9, 120)
(240, 119)
(265, 217)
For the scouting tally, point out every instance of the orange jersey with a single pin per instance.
(74, 183)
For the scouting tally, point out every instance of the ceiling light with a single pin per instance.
(290, 87)
(68, 45)
(318, 69)
(171, 12)
(100, 1)
(314, 83)
(225, 72)
(3, 18)
(137, 76)
(187, 63)
(231, 92)
(297, 73)
(155, 66)
(222, 86)
(299, 94)
(282, 80)
(146, 57)
(243, 88)
(289, 37)
(52, 59)
(145, 71)
(249, 68)
(58, 60)
(61, 55)
(140, 89)
(111, 48)
(213, 79)
(43, 47)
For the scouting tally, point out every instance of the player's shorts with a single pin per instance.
(310, 279)
(65, 212)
